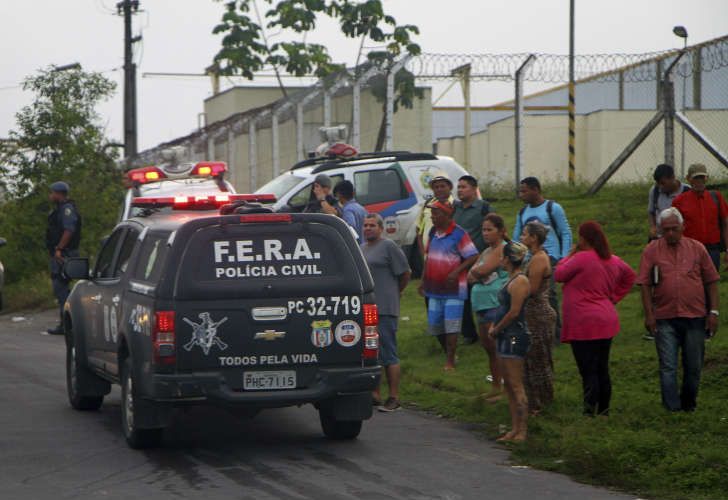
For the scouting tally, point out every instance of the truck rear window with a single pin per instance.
(286, 257)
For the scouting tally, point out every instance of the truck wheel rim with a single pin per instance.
(129, 406)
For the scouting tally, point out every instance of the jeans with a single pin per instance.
(674, 334)
(714, 252)
(592, 359)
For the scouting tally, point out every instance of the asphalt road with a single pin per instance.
(48, 450)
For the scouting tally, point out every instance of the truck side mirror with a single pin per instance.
(76, 268)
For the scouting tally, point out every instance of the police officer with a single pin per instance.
(62, 239)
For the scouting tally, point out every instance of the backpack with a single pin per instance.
(552, 222)
(656, 192)
(714, 195)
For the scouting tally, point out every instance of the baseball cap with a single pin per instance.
(60, 187)
(697, 169)
(441, 177)
(323, 180)
(445, 206)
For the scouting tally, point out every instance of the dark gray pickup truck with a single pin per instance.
(247, 310)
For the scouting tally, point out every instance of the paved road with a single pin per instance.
(47, 450)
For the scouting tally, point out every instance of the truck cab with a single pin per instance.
(233, 305)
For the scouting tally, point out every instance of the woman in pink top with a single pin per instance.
(594, 281)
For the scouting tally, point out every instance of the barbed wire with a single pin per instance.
(554, 68)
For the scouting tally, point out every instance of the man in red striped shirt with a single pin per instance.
(705, 213)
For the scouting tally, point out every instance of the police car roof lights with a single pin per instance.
(209, 168)
(145, 175)
(205, 202)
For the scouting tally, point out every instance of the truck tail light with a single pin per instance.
(371, 332)
(163, 338)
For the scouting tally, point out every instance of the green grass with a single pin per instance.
(32, 293)
(640, 448)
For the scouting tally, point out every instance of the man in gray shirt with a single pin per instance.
(666, 189)
(391, 274)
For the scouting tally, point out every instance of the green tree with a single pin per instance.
(246, 48)
(59, 136)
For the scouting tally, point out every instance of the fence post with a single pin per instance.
(252, 155)
(231, 155)
(519, 117)
(299, 131)
(356, 106)
(210, 147)
(274, 145)
(668, 110)
(327, 108)
(389, 118)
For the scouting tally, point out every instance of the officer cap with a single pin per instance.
(60, 187)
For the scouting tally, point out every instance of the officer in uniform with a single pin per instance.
(62, 239)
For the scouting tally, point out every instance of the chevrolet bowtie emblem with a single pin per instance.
(269, 335)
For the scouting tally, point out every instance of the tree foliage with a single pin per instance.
(245, 48)
(59, 136)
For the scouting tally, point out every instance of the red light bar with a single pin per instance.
(203, 202)
(256, 218)
(211, 168)
(145, 175)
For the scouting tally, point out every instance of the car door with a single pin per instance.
(102, 282)
(387, 192)
(112, 299)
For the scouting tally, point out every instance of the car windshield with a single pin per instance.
(281, 185)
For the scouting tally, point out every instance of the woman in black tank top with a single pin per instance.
(512, 339)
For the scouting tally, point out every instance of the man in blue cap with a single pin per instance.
(63, 236)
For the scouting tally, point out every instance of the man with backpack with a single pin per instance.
(558, 238)
(705, 213)
(662, 194)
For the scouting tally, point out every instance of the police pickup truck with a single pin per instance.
(239, 307)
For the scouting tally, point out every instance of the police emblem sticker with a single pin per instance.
(348, 333)
(204, 334)
(67, 211)
(321, 335)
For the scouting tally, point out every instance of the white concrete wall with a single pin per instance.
(412, 131)
(600, 137)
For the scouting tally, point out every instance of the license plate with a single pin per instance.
(266, 381)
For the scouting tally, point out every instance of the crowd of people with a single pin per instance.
(476, 274)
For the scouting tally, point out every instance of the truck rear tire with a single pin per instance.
(339, 429)
(79, 377)
(135, 437)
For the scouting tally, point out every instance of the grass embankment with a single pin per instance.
(640, 447)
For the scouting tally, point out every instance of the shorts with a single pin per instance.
(487, 315)
(513, 343)
(388, 340)
(445, 316)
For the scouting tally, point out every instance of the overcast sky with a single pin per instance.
(177, 38)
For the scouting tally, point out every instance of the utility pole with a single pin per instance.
(127, 8)
(572, 99)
